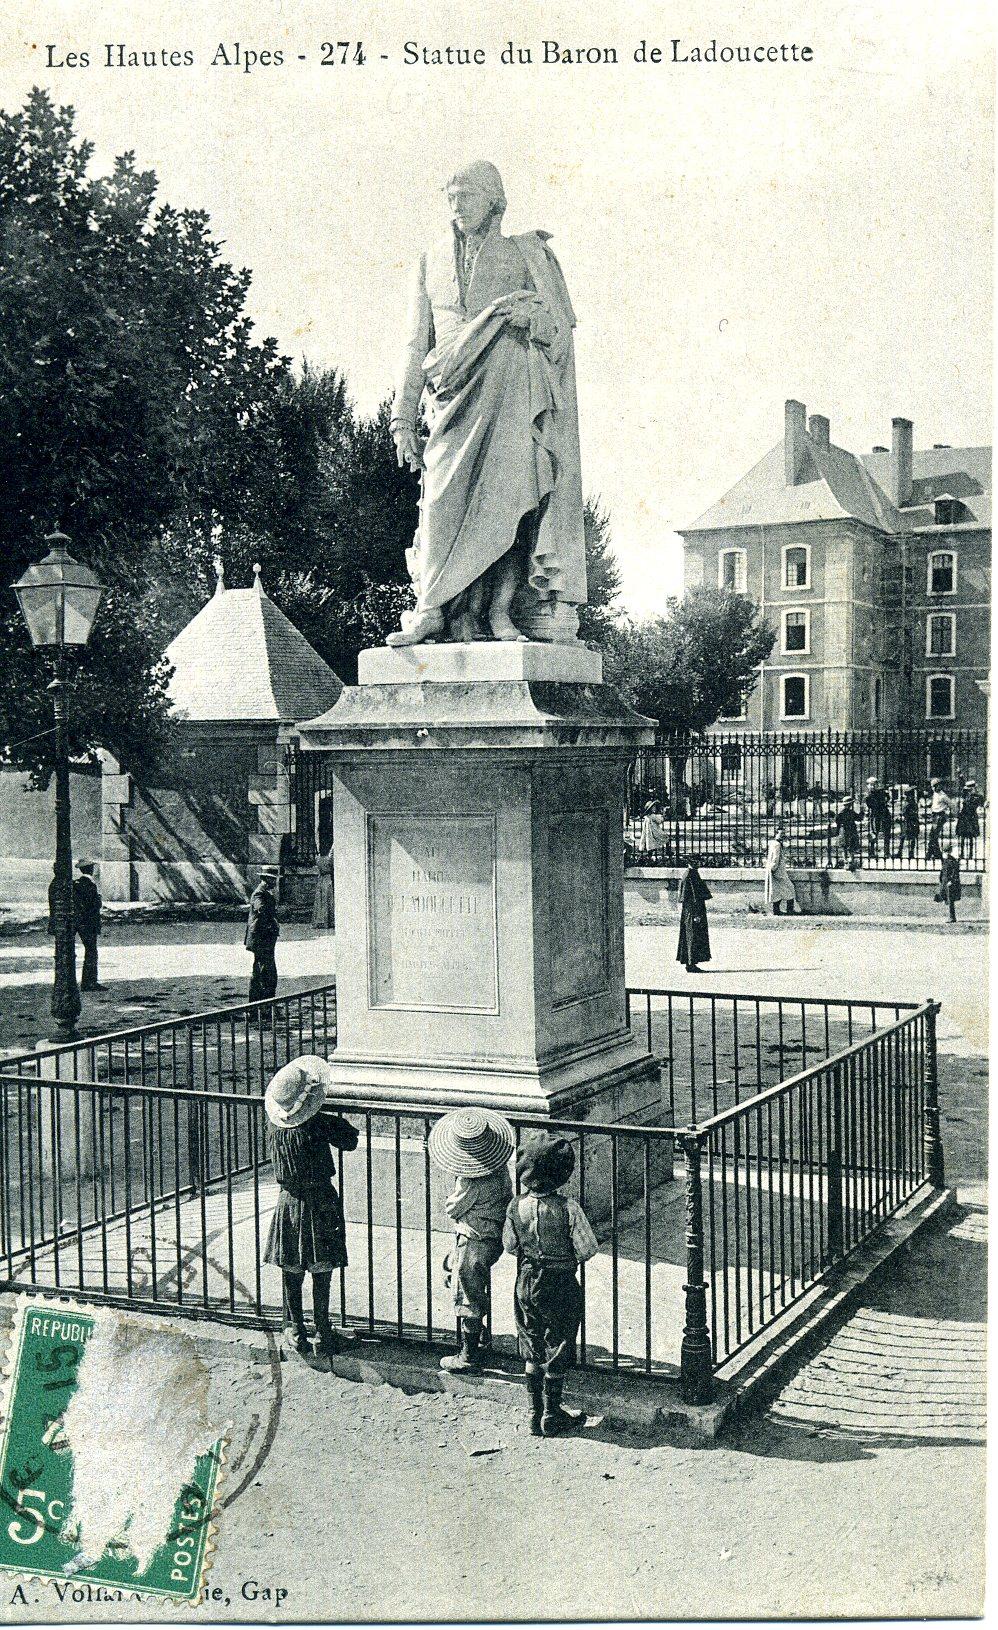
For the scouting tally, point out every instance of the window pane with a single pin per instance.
(940, 698)
(795, 631)
(796, 569)
(793, 697)
(941, 636)
(942, 574)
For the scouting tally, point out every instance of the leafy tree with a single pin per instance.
(135, 406)
(688, 668)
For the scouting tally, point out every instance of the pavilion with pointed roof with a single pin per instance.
(242, 677)
(241, 661)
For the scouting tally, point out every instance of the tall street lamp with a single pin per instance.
(59, 600)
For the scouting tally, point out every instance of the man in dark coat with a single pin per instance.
(950, 888)
(879, 818)
(694, 939)
(87, 904)
(262, 930)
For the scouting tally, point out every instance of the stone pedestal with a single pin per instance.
(479, 882)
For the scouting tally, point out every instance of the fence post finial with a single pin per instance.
(695, 1362)
(932, 1143)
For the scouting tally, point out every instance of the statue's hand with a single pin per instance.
(408, 447)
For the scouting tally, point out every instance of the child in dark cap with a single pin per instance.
(549, 1235)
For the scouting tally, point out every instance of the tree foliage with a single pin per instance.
(693, 665)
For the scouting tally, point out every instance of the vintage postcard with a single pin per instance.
(495, 628)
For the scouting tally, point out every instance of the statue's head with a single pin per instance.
(475, 195)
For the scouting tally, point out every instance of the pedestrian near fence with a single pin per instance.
(950, 889)
(778, 888)
(549, 1235)
(474, 1146)
(846, 829)
(694, 935)
(911, 822)
(87, 907)
(262, 930)
(968, 828)
(940, 811)
(307, 1231)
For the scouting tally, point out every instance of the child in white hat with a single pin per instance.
(307, 1230)
(474, 1146)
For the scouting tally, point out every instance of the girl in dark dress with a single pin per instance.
(694, 938)
(307, 1230)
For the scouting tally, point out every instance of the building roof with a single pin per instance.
(942, 472)
(835, 483)
(240, 660)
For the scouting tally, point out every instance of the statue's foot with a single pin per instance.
(418, 627)
(503, 627)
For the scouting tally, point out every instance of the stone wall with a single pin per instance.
(27, 830)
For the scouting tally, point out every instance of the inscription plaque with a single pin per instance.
(578, 860)
(432, 912)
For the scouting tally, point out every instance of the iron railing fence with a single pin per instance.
(723, 795)
(157, 1192)
(717, 1049)
(138, 1195)
(228, 1049)
(794, 1179)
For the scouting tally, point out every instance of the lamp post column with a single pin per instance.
(65, 995)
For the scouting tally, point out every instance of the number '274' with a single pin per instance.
(342, 52)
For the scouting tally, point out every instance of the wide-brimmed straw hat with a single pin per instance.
(297, 1091)
(545, 1163)
(472, 1142)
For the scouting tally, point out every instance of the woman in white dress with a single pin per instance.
(653, 832)
(779, 890)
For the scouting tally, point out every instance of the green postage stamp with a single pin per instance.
(109, 1464)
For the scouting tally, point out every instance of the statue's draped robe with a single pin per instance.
(503, 416)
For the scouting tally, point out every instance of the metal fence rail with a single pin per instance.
(143, 1178)
(140, 1195)
(723, 795)
(796, 1178)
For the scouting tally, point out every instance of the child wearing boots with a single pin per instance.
(549, 1235)
(307, 1230)
(473, 1146)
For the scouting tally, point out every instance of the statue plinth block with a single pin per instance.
(479, 888)
(496, 661)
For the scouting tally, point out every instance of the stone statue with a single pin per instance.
(499, 552)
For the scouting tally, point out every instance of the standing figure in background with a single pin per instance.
(653, 831)
(968, 828)
(911, 822)
(307, 1231)
(847, 832)
(262, 930)
(950, 889)
(474, 1147)
(879, 818)
(779, 888)
(87, 905)
(322, 910)
(694, 937)
(940, 810)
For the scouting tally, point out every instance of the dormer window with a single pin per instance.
(948, 510)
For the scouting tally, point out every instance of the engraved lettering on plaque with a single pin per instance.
(578, 858)
(432, 912)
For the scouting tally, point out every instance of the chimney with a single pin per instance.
(794, 431)
(820, 429)
(901, 457)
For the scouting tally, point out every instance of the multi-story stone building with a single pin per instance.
(875, 570)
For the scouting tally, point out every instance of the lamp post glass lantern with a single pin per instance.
(59, 599)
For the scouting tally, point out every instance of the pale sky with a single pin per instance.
(731, 235)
